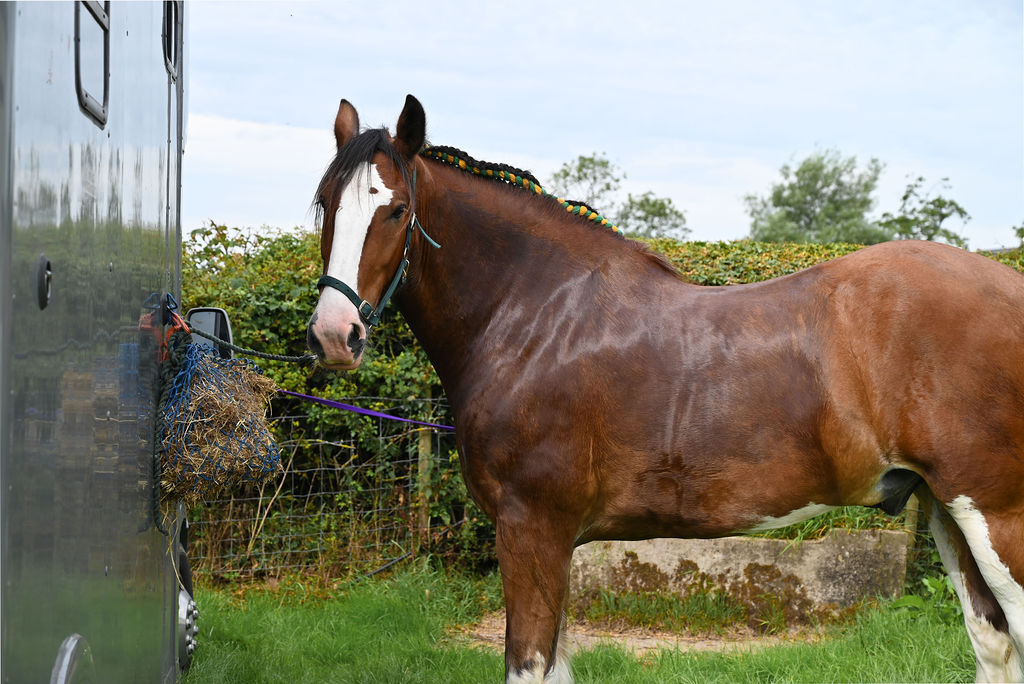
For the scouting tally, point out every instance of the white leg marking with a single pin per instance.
(991, 647)
(535, 675)
(1009, 594)
(560, 673)
(799, 515)
(995, 654)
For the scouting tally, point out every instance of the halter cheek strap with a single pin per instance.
(369, 315)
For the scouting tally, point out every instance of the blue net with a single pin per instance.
(213, 427)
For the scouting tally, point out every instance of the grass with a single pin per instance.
(712, 612)
(377, 631)
(401, 630)
(881, 645)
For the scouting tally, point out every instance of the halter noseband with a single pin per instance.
(369, 315)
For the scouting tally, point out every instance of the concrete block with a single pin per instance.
(827, 574)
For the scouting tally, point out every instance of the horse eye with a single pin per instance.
(397, 213)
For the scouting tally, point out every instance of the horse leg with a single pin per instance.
(994, 538)
(534, 561)
(997, 655)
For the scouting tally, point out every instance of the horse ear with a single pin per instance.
(346, 124)
(412, 128)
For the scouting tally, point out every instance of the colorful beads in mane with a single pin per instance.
(513, 176)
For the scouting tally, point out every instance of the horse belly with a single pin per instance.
(720, 494)
(756, 480)
(760, 446)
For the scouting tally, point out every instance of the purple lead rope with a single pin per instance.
(366, 412)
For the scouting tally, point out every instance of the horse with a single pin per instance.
(598, 395)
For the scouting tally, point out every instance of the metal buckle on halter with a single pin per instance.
(368, 312)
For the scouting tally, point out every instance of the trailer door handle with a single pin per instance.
(90, 103)
(171, 37)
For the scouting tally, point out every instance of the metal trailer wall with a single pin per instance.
(90, 146)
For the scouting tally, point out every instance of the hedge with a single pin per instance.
(266, 283)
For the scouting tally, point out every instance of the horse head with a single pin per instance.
(366, 205)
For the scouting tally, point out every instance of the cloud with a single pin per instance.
(702, 102)
(250, 174)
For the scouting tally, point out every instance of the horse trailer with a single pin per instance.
(92, 568)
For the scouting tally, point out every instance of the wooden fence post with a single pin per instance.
(423, 484)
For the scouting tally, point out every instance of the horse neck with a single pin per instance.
(502, 250)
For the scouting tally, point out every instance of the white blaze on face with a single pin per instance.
(362, 196)
(336, 323)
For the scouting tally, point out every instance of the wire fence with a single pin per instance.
(340, 510)
(359, 503)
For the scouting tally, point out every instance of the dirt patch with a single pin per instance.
(490, 633)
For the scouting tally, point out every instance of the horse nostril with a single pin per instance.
(355, 340)
(313, 342)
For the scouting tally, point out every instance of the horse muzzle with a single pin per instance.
(337, 339)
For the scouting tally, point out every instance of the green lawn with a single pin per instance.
(399, 630)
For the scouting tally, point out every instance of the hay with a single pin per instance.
(213, 425)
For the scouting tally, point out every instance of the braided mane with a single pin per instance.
(363, 146)
(511, 176)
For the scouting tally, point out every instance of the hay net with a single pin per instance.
(213, 429)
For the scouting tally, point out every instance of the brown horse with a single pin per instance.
(599, 396)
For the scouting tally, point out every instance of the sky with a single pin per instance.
(700, 102)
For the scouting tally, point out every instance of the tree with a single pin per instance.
(921, 215)
(1019, 232)
(650, 216)
(825, 199)
(592, 180)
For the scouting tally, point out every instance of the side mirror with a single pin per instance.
(212, 321)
